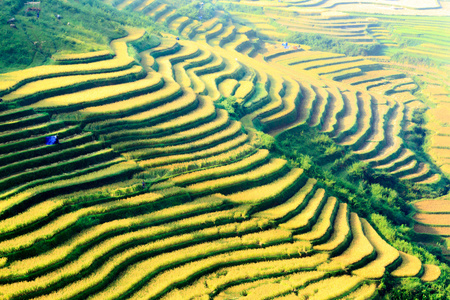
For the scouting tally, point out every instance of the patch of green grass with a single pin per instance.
(84, 26)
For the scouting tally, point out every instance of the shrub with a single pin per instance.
(195, 10)
(325, 43)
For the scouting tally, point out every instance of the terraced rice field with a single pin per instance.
(355, 118)
(433, 217)
(216, 215)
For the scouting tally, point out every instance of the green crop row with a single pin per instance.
(188, 135)
(303, 221)
(281, 53)
(163, 282)
(121, 259)
(349, 121)
(405, 157)
(42, 189)
(228, 133)
(171, 221)
(341, 236)
(205, 58)
(100, 96)
(277, 90)
(148, 6)
(241, 279)
(288, 114)
(163, 50)
(279, 190)
(42, 149)
(387, 256)
(358, 253)
(205, 113)
(191, 29)
(238, 167)
(180, 23)
(51, 158)
(187, 102)
(214, 32)
(186, 52)
(158, 14)
(241, 43)
(56, 168)
(123, 249)
(83, 57)
(234, 183)
(13, 114)
(25, 121)
(221, 148)
(227, 36)
(232, 70)
(322, 229)
(372, 76)
(35, 91)
(372, 148)
(22, 133)
(346, 74)
(342, 285)
(330, 122)
(294, 204)
(216, 65)
(365, 122)
(36, 141)
(259, 99)
(322, 107)
(136, 109)
(365, 65)
(392, 138)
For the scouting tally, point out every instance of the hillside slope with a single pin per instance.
(162, 185)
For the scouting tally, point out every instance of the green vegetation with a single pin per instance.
(196, 10)
(380, 197)
(228, 6)
(322, 42)
(163, 186)
(84, 26)
(231, 106)
(350, 180)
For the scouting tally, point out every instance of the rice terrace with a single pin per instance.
(224, 149)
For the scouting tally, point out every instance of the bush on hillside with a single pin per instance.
(92, 25)
(196, 10)
(412, 59)
(147, 41)
(256, 10)
(326, 43)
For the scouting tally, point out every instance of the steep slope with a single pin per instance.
(229, 211)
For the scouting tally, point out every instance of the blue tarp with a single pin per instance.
(51, 140)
